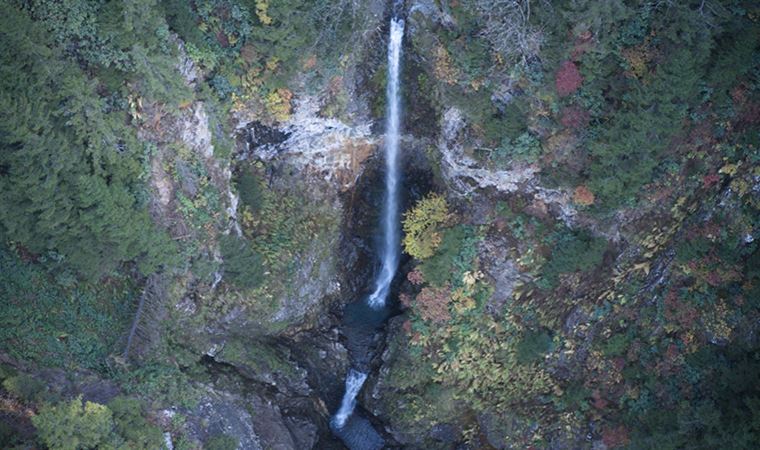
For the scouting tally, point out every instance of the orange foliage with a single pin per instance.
(433, 304)
(583, 196)
(444, 70)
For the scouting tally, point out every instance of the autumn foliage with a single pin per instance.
(433, 304)
(422, 226)
(583, 196)
(568, 79)
(575, 117)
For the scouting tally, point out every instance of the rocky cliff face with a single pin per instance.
(536, 293)
(274, 356)
(550, 303)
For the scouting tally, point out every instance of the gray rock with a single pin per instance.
(222, 412)
(496, 263)
(270, 425)
(188, 181)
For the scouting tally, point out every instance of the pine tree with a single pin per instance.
(67, 168)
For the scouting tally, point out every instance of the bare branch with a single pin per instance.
(508, 29)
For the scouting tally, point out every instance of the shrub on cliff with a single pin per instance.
(24, 387)
(568, 79)
(132, 426)
(71, 425)
(422, 226)
(452, 258)
(222, 442)
(242, 263)
(77, 424)
(571, 252)
(433, 304)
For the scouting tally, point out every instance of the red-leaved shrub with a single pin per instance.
(415, 277)
(433, 304)
(568, 79)
(575, 117)
(710, 179)
(615, 437)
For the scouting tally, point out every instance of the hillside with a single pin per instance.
(193, 197)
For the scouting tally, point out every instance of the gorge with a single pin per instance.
(390, 247)
(366, 224)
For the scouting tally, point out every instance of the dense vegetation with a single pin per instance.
(90, 98)
(627, 310)
(70, 165)
(646, 113)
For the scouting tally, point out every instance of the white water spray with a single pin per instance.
(389, 252)
(354, 382)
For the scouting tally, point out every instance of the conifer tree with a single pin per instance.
(68, 168)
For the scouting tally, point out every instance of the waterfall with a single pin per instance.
(389, 250)
(389, 223)
(354, 382)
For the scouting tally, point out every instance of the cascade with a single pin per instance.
(354, 382)
(389, 223)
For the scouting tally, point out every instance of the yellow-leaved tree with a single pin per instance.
(423, 225)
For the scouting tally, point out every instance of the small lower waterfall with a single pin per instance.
(390, 246)
(354, 382)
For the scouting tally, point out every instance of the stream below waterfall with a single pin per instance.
(364, 318)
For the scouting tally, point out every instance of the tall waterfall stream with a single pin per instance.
(356, 431)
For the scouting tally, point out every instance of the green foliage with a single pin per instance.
(8, 436)
(6, 371)
(616, 345)
(129, 42)
(736, 53)
(53, 320)
(422, 226)
(25, 387)
(200, 200)
(243, 265)
(378, 83)
(181, 18)
(571, 251)
(69, 165)
(468, 50)
(533, 346)
(222, 442)
(726, 415)
(72, 425)
(253, 47)
(164, 385)
(641, 111)
(630, 145)
(250, 188)
(260, 356)
(73, 25)
(573, 398)
(525, 148)
(484, 364)
(280, 223)
(453, 257)
(131, 425)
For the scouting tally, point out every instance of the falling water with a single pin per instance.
(354, 382)
(389, 249)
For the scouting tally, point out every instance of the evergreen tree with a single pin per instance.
(68, 167)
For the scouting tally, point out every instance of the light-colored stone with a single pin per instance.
(325, 148)
(465, 175)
